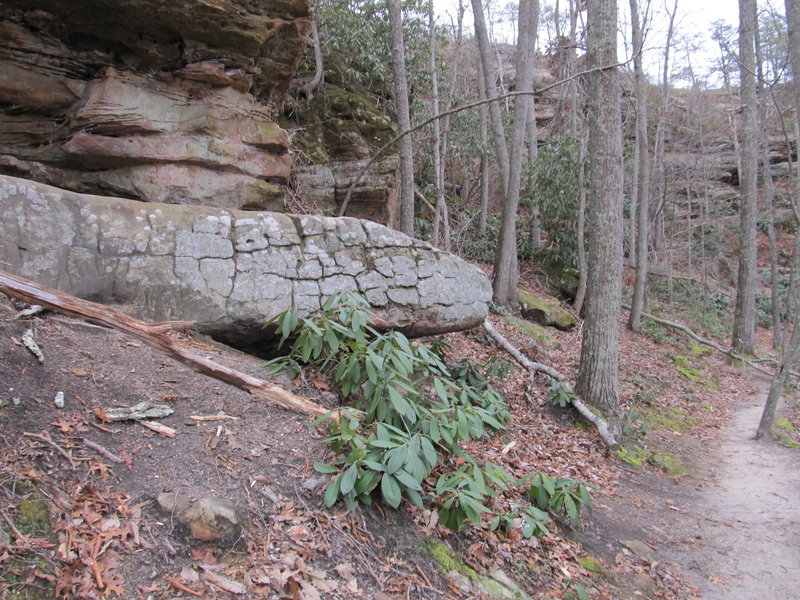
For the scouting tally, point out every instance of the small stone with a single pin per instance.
(59, 400)
(640, 549)
(78, 372)
(212, 518)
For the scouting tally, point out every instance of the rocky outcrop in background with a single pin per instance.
(157, 101)
(230, 270)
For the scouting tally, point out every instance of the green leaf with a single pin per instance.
(396, 459)
(494, 523)
(383, 444)
(407, 480)
(332, 493)
(324, 468)
(440, 390)
(390, 490)
(289, 322)
(349, 479)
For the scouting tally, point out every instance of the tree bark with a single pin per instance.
(598, 377)
(496, 119)
(152, 334)
(406, 167)
(319, 70)
(483, 116)
(643, 174)
(504, 283)
(769, 196)
(744, 316)
(438, 172)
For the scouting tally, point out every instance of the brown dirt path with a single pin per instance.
(748, 519)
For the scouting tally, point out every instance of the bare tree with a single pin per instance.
(406, 224)
(505, 262)
(642, 172)
(744, 317)
(598, 377)
(791, 354)
(440, 217)
(769, 194)
(658, 159)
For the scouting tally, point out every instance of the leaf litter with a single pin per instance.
(108, 539)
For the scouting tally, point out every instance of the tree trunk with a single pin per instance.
(643, 174)
(406, 224)
(598, 377)
(319, 69)
(483, 116)
(496, 119)
(791, 353)
(769, 196)
(661, 174)
(438, 172)
(580, 295)
(745, 311)
(505, 263)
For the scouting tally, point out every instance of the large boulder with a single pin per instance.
(545, 311)
(230, 270)
(151, 100)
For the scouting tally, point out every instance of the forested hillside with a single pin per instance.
(389, 300)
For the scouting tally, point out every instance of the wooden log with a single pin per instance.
(154, 335)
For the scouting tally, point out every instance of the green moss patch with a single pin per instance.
(448, 561)
(672, 419)
(536, 332)
(638, 456)
(785, 424)
(546, 311)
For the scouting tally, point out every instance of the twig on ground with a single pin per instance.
(100, 450)
(47, 440)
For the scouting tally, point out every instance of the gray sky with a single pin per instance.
(693, 26)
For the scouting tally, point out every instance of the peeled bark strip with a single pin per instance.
(535, 367)
(152, 334)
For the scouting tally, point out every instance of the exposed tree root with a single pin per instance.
(154, 335)
(749, 361)
(535, 367)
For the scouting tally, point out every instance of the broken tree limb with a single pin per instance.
(154, 335)
(711, 344)
(535, 367)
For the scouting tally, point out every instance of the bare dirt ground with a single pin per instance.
(749, 517)
(730, 529)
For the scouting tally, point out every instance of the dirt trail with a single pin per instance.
(748, 519)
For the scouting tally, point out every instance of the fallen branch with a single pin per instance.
(711, 344)
(47, 440)
(154, 335)
(102, 451)
(535, 367)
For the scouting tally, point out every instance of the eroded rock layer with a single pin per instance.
(157, 101)
(230, 270)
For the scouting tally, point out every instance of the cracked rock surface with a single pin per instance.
(230, 270)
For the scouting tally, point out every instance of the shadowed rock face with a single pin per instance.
(230, 270)
(150, 100)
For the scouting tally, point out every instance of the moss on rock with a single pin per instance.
(546, 311)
